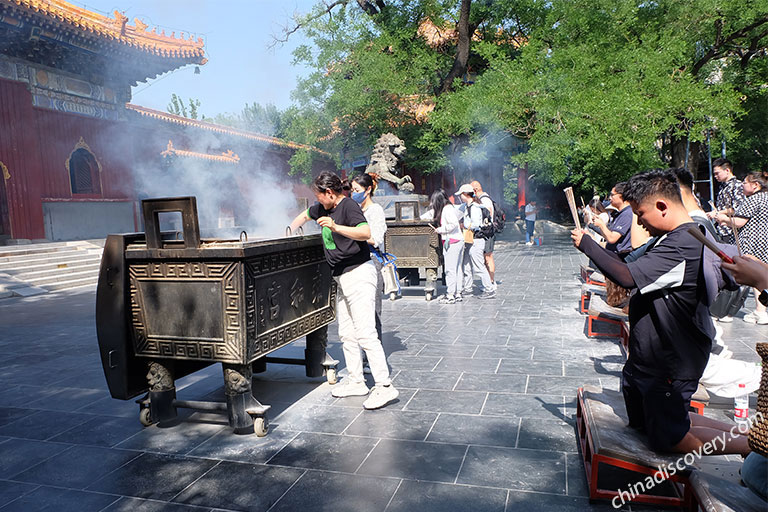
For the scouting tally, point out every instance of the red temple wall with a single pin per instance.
(35, 144)
(20, 151)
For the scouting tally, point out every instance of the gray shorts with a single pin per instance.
(489, 244)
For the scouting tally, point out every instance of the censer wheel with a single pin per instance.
(429, 295)
(331, 375)
(145, 417)
(260, 426)
(392, 296)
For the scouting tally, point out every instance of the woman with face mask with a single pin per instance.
(363, 187)
(345, 232)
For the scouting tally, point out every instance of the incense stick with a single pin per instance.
(736, 234)
(698, 235)
(572, 205)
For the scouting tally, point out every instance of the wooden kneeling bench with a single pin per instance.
(600, 311)
(606, 440)
(587, 290)
(592, 276)
(709, 493)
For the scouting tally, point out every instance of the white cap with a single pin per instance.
(465, 189)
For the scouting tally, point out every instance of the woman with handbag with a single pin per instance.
(751, 220)
(363, 188)
(447, 226)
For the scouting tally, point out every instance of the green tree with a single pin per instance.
(598, 89)
(266, 119)
(190, 110)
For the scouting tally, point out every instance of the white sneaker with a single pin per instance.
(756, 318)
(381, 396)
(528, 243)
(349, 388)
(725, 320)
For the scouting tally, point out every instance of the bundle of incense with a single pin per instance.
(698, 235)
(572, 205)
(587, 212)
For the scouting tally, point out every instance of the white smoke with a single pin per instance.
(254, 195)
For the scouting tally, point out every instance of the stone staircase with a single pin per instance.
(38, 268)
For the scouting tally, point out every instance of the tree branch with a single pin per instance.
(371, 8)
(720, 42)
(466, 29)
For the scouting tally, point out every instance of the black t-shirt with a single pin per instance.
(343, 254)
(671, 331)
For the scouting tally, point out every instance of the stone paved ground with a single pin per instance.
(484, 421)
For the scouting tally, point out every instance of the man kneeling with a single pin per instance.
(671, 330)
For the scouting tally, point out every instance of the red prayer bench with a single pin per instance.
(607, 442)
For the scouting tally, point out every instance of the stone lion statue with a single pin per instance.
(384, 159)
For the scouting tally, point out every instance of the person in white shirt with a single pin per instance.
(474, 261)
(447, 226)
(363, 187)
(490, 242)
(530, 221)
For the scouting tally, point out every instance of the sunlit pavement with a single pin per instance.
(484, 421)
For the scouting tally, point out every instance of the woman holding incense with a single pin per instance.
(751, 220)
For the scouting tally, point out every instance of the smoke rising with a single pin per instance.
(252, 195)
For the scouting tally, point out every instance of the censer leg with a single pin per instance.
(162, 393)
(246, 414)
(316, 358)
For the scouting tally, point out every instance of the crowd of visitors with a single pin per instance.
(675, 344)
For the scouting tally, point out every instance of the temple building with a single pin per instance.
(76, 156)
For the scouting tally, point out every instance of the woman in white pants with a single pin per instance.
(363, 188)
(447, 220)
(474, 258)
(345, 232)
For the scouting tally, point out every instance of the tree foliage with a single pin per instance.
(598, 89)
(190, 110)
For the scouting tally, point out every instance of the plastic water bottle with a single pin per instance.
(741, 405)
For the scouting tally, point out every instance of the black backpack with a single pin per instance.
(499, 217)
(485, 230)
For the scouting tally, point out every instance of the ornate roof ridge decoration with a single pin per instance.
(116, 29)
(226, 157)
(185, 121)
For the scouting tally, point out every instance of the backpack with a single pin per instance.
(726, 296)
(485, 230)
(499, 217)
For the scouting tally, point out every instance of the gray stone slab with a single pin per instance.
(237, 486)
(546, 407)
(320, 491)
(393, 424)
(565, 386)
(468, 402)
(511, 468)
(77, 467)
(64, 500)
(464, 364)
(142, 505)
(436, 462)
(29, 291)
(317, 418)
(434, 497)
(153, 476)
(20, 454)
(324, 451)
(43, 424)
(426, 380)
(245, 448)
(552, 435)
(475, 430)
(508, 383)
(179, 438)
(10, 491)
